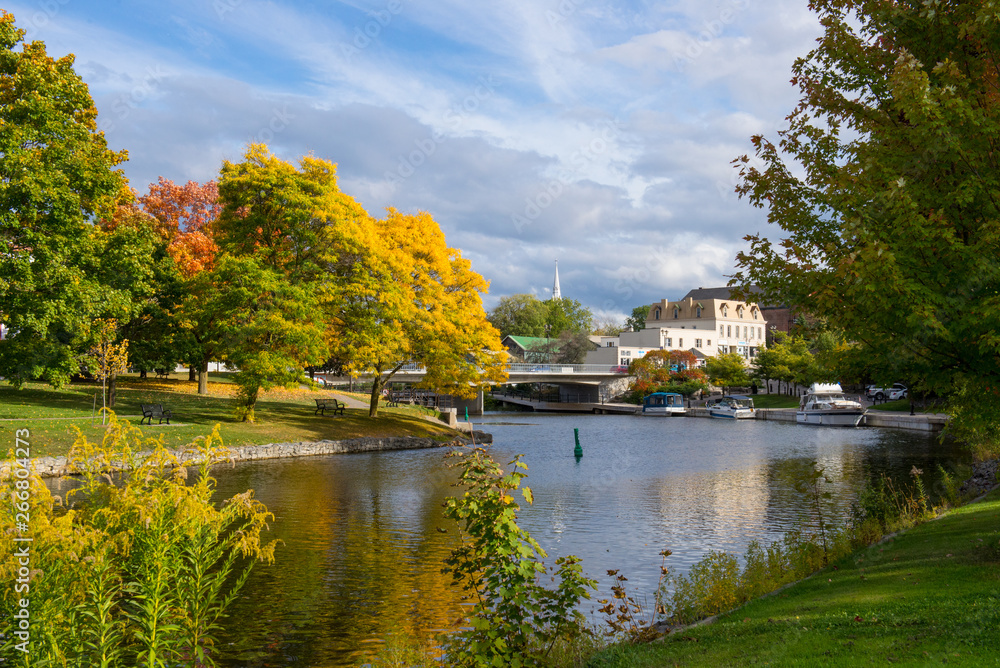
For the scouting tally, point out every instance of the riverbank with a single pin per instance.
(930, 595)
(55, 467)
(283, 416)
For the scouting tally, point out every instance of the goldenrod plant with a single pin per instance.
(138, 566)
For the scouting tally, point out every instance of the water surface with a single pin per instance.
(364, 537)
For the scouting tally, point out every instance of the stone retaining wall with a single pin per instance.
(51, 467)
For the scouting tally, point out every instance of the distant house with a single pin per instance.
(704, 322)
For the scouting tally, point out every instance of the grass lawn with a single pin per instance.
(774, 401)
(282, 415)
(929, 596)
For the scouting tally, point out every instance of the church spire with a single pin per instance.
(556, 293)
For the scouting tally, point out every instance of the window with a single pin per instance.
(697, 343)
(697, 312)
(754, 312)
(751, 332)
(675, 313)
(656, 315)
(680, 343)
(668, 342)
(739, 311)
(729, 331)
(760, 332)
(725, 311)
(709, 343)
(744, 332)
(722, 330)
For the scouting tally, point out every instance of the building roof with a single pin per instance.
(529, 342)
(699, 294)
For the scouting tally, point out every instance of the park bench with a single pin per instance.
(323, 405)
(150, 411)
(162, 373)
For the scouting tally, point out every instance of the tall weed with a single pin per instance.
(137, 573)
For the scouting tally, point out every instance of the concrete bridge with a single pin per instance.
(588, 374)
(582, 382)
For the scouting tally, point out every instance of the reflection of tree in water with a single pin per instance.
(356, 568)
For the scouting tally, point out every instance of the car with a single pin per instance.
(623, 368)
(898, 393)
(879, 393)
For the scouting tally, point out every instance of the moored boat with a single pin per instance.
(736, 407)
(825, 404)
(663, 403)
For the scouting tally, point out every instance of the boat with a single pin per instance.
(732, 407)
(825, 404)
(663, 403)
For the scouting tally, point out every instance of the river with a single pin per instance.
(364, 537)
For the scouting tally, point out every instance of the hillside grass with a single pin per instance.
(283, 415)
(928, 596)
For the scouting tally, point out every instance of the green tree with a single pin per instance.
(56, 173)
(727, 370)
(253, 319)
(520, 315)
(567, 315)
(884, 187)
(637, 321)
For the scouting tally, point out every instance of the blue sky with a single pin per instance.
(599, 134)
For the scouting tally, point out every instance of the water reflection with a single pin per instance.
(363, 549)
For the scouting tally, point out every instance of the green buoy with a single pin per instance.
(578, 450)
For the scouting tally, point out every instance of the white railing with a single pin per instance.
(543, 369)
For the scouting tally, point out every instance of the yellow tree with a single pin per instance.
(106, 359)
(419, 302)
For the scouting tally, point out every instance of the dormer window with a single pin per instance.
(656, 315)
(725, 311)
(753, 311)
(675, 313)
(739, 311)
(697, 311)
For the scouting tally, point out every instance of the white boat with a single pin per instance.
(663, 403)
(825, 404)
(736, 407)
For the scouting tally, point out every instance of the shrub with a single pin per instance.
(138, 573)
(515, 621)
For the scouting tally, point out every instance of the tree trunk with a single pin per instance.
(377, 385)
(142, 374)
(112, 390)
(203, 378)
(192, 373)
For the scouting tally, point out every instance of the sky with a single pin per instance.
(596, 133)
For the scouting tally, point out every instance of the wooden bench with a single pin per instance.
(162, 373)
(323, 405)
(150, 411)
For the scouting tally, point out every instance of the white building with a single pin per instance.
(701, 322)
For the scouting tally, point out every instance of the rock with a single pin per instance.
(984, 478)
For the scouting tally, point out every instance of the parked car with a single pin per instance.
(897, 393)
(619, 369)
(879, 393)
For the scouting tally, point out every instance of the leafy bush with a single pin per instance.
(515, 621)
(138, 573)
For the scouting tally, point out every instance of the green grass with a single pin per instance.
(928, 596)
(774, 401)
(282, 416)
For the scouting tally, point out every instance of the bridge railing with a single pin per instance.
(589, 369)
(548, 369)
